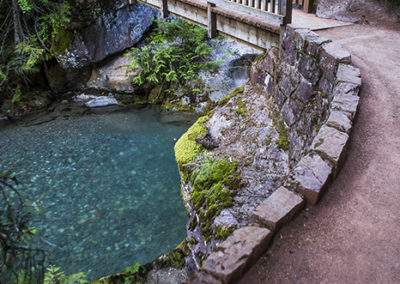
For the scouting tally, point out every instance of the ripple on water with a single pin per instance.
(111, 183)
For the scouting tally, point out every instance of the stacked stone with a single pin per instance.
(311, 71)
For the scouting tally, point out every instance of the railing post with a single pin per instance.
(285, 9)
(212, 21)
(131, 2)
(308, 6)
(164, 8)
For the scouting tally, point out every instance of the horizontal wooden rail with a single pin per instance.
(275, 11)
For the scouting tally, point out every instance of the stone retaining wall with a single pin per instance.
(314, 90)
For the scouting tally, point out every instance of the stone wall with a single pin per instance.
(299, 106)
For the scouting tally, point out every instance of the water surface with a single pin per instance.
(111, 183)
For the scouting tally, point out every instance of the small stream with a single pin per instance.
(111, 186)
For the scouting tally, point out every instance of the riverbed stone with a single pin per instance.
(237, 252)
(348, 73)
(330, 143)
(278, 209)
(310, 177)
(340, 120)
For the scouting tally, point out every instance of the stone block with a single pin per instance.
(330, 143)
(345, 102)
(291, 111)
(313, 45)
(326, 85)
(278, 209)
(336, 52)
(348, 73)
(285, 84)
(342, 88)
(340, 120)
(310, 177)
(270, 60)
(308, 68)
(303, 91)
(236, 253)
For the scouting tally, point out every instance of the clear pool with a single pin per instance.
(111, 187)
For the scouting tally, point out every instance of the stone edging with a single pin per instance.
(308, 179)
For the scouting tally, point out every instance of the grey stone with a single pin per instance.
(342, 88)
(113, 76)
(291, 111)
(308, 68)
(101, 102)
(310, 177)
(237, 252)
(337, 52)
(345, 102)
(340, 120)
(330, 143)
(108, 34)
(326, 85)
(314, 43)
(303, 91)
(286, 85)
(279, 208)
(348, 73)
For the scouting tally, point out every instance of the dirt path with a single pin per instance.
(353, 234)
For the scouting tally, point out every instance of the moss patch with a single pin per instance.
(186, 148)
(175, 258)
(283, 139)
(61, 42)
(133, 274)
(214, 185)
(231, 95)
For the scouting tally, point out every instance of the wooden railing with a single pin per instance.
(275, 11)
(305, 5)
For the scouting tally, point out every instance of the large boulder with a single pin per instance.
(108, 33)
(360, 11)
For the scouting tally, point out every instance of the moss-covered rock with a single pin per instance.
(186, 148)
(214, 185)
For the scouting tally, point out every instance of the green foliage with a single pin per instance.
(214, 184)
(54, 275)
(20, 262)
(27, 32)
(176, 54)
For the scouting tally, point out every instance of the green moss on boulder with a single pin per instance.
(186, 148)
(214, 185)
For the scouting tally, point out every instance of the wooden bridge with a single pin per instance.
(255, 22)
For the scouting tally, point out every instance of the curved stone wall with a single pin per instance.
(310, 91)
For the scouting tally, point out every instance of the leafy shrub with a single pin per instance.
(176, 54)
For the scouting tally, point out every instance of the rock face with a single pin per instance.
(359, 11)
(112, 31)
(287, 131)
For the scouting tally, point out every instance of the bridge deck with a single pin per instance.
(255, 22)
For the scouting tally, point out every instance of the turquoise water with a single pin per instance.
(111, 183)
